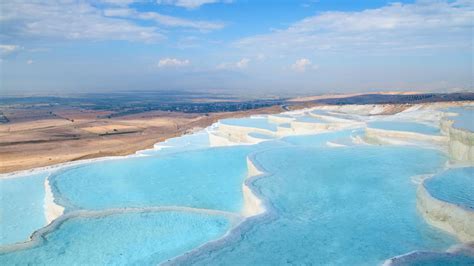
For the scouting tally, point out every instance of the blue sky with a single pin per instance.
(236, 46)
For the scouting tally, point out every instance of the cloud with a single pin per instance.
(170, 21)
(29, 62)
(418, 26)
(301, 64)
(81, 20)
(179, 22)
(118, 2)
(173, 62)
(6, 49)
(241, 64)
(119, 12)
(190, 3)
(68, 20)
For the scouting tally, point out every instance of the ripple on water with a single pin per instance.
(21, 211)
(209, 178)
(454, 186)
(348, 206)
(126, 238)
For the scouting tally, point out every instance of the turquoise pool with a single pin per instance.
(22, 210)
(464, 118)
(209, 178)
(310, 119)
(454, 186)
(261, 123)
(330, 213)
(127, 238)
(260, 135)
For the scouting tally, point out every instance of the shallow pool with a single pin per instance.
(209, 178)
(261, 123)
(127, 238)
(464, 118)
(310, 119)
(346, 206)
(454, 186)
(22, 210)
(260, 135)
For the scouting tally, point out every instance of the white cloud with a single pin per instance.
(260, 57)
(179, 22)
(118, 2)
(118, 12)
(418, 26)
(173, 62)
(301, 64)
(242, 63)
(6, 49)
(68, 20)
(80, 20)
(161, 19)
(190, 3)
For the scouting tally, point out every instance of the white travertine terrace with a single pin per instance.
(278, 119)
(51, 209)
(460, 143)
(298, 127)
(446, 216)
(237, 134)
(383, 135)
(286, 125)
(330, 118)
(252, 204)
(218, 140)
(356, 109)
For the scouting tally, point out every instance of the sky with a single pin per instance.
(235, 46)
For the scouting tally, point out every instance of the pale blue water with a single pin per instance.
(310, 119)
(261, 123)
(454, 186)
(21, 209)
(130, 238)
(405, 126)
(345, 206)
(464, 119)
(319, 140)
(284, 116)
(209, 178)
(260, 135)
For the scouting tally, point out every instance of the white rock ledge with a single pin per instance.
(252, 204)
(460, 144)
(375, 135)
(449, 217)
(51, 210)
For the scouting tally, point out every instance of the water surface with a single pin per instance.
(21, 209)
(454, 185)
